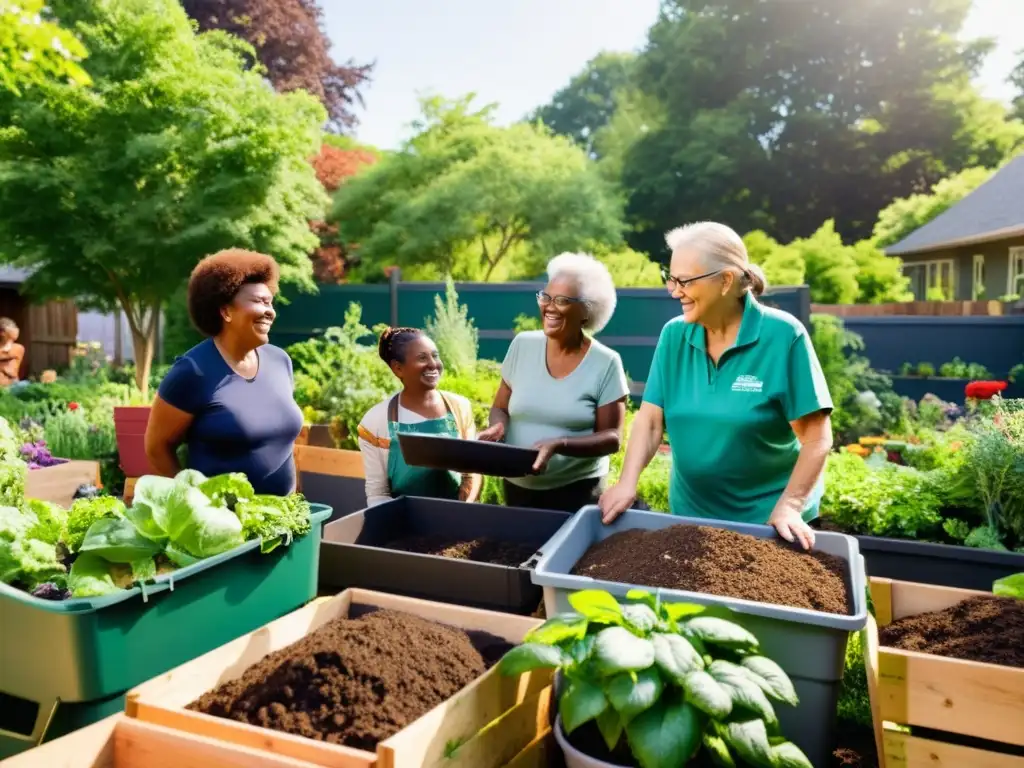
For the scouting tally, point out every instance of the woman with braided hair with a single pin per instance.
(419, 408)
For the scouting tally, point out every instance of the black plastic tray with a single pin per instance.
(944, 565)
(352, 553)
(475, 457)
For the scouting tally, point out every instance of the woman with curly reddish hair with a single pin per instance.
(230, 398)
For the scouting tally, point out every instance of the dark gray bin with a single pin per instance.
(945, 565)
(809, 645)
(352, 552)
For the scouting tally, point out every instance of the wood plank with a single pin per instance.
(905, 751)
(538, 754)
(910, 599)
(965, 697)
(163, 699)
(119, 742)
(58, 484)
(329, 461)
(869, 637)
(460, 720)
(918, 689)
(89, 747)
(881, 599)
(129, 489)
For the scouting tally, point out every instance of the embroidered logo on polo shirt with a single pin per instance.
(747, 383)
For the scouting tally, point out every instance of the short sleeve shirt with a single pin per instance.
(543, 407)
(238, 424)
(733, 449)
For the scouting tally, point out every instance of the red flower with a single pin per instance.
(73, 406)
(984, 390)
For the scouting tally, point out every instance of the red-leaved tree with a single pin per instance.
(333, 166)
(290, 42)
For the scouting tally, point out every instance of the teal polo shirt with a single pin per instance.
(733, 449)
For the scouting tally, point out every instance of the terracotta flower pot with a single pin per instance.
(130, 427)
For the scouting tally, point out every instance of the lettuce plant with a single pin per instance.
(669, 678)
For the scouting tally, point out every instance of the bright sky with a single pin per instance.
(519, 52)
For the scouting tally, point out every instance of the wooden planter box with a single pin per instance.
(58, 483)
(119, 742)
(967, 698)
(492, 720)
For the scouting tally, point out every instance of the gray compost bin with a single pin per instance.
(809, 645)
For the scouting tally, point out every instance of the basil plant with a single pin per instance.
(669, 678)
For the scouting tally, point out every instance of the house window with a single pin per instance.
(978, 277)
(932, 280)
(1015, 283)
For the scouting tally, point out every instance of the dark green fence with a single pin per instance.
(632, 332)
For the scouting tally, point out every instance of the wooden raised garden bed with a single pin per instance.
(58, 483)
(487, 724)
(120, 742)
(938, 693)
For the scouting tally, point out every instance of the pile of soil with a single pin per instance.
(985, 628)
(354, 682)
(480, 550)
(720, 562)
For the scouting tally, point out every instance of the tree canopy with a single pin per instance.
(588, 103)
(290, 43)
(476, 201)
(33, 48)
(778, 116)
(903, 215)
(110, 195)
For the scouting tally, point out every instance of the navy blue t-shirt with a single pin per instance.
(239, 425)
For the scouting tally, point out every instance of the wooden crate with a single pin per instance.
(120, 742)
(59, 482)
(488, 723)
(968, 698)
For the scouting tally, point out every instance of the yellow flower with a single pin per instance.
(873, 440)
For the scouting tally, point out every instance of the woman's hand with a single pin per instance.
(615, 501)
(787, 519)
(546, 449)
(493, 434)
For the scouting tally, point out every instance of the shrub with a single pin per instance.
(453, 332)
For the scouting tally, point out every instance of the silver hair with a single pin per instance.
(593, 282)
(720, 248)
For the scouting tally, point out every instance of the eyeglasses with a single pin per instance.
(677, 282)
(559, 301)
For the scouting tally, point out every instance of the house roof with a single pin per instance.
(993, 211)
(12, 275)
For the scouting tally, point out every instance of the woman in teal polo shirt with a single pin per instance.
(739, 390)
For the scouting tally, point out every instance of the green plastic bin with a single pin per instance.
(96, 648)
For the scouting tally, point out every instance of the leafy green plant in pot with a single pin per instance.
(660, 682)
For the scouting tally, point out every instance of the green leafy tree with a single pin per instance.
(903, 215)
(587, 104)
(778, 116)
(469, 199)
(1017, 80)
(110, 196)
(631, 269)
(879, 277)
(781, 265)
(34, 49)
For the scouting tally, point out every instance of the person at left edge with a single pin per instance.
(230, 398)
(419, 408)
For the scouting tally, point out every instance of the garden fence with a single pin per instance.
(995, 342)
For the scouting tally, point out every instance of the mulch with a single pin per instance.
(721, 562)
(985, 628)
(353, 682)
(479, 550)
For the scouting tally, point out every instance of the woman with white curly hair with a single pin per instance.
(739, 390)
(562, 391)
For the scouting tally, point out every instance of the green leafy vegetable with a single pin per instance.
(670, 677)
(228, 489)
(1010, 586)
(273, 519)
(90, 577)
(117, 540)
(85, 512)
